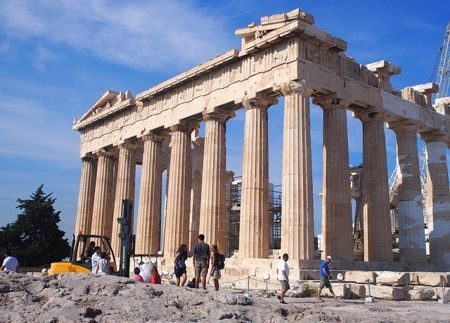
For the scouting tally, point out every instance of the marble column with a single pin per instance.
(178, 196)
(337, 238)
(410, 211)
(125, 186)
(148, 229)
(377, 223)
(86, 195)
(437, 201)
(213, 222)
(254, 218)
(103, 196)
(196, 190)
(297, 222)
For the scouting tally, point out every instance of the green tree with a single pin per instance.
(34, 238)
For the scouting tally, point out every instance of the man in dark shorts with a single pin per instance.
(325, 277)
(201, 260)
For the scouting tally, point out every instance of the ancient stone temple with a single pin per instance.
(283, 56)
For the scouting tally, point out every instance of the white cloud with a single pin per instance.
(142, 34)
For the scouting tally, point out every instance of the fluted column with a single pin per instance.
(410, 211)
(149, 212)
(438, 198)
(377, 223)
(178, 196)
(125, 186)
(86, 195)
(297, 222)
(103, 196)
(337, 239)
(196, 190)
(212, 207)
(254, 218)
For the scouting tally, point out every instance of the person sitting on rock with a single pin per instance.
(155, 278)
(137, 277)
(102, 266)
(180, 265)
(215, 271)
(10, 263)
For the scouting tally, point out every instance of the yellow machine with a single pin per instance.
(78, 261)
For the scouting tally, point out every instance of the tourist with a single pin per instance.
(283, 277)
(95, 257)
(102, 266)
(201, 261)
(10, 263)
(89, 251)
(215, 271)
(325, 277)
(155, 278)
(137, 277)
(180, 264)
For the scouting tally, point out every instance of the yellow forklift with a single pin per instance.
(79, 263)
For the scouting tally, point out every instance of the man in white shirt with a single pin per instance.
(283, 277)
(10, 263)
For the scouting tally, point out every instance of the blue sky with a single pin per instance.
(58, 57)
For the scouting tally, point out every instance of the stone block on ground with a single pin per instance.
(352, 291)
(338, 288)
(429, 278)
(420, 293)
(298, 291)
(360, 277)
(392, 278)
(387, 292)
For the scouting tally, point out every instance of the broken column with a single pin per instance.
(410, 211)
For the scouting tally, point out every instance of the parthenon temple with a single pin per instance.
(285, 56)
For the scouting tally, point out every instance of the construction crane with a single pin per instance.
(443, 71)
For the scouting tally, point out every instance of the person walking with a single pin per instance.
(325, 277)
(180, 265)
(283, 277)
(215, 270)
(201, 260)
(10, 263)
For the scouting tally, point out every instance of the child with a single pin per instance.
(137, 277)
(155, 278)
(102, 266)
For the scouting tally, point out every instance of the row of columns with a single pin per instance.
(99, 184)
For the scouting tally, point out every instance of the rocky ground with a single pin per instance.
(88, 298)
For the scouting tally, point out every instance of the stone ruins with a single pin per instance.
(284, 56)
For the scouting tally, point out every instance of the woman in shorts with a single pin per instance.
(180, 265)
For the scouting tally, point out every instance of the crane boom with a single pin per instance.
(443, 72)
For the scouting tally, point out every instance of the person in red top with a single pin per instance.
(155, 278)
(137, 277)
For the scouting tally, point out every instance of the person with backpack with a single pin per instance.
(180, 264)
(217, 264)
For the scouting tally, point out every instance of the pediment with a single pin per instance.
(107, 101)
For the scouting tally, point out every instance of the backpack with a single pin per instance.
(220, 261)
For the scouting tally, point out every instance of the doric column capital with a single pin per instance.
(104, 153)
(154, 136)
(433, 136)
(183, 125)
(262, 102)
(402, 125)
(217, 114)
(131, 146)
(90, 157)
(294, 87)
(331, 101)
(371, 115)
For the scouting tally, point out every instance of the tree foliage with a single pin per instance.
(34, 238)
